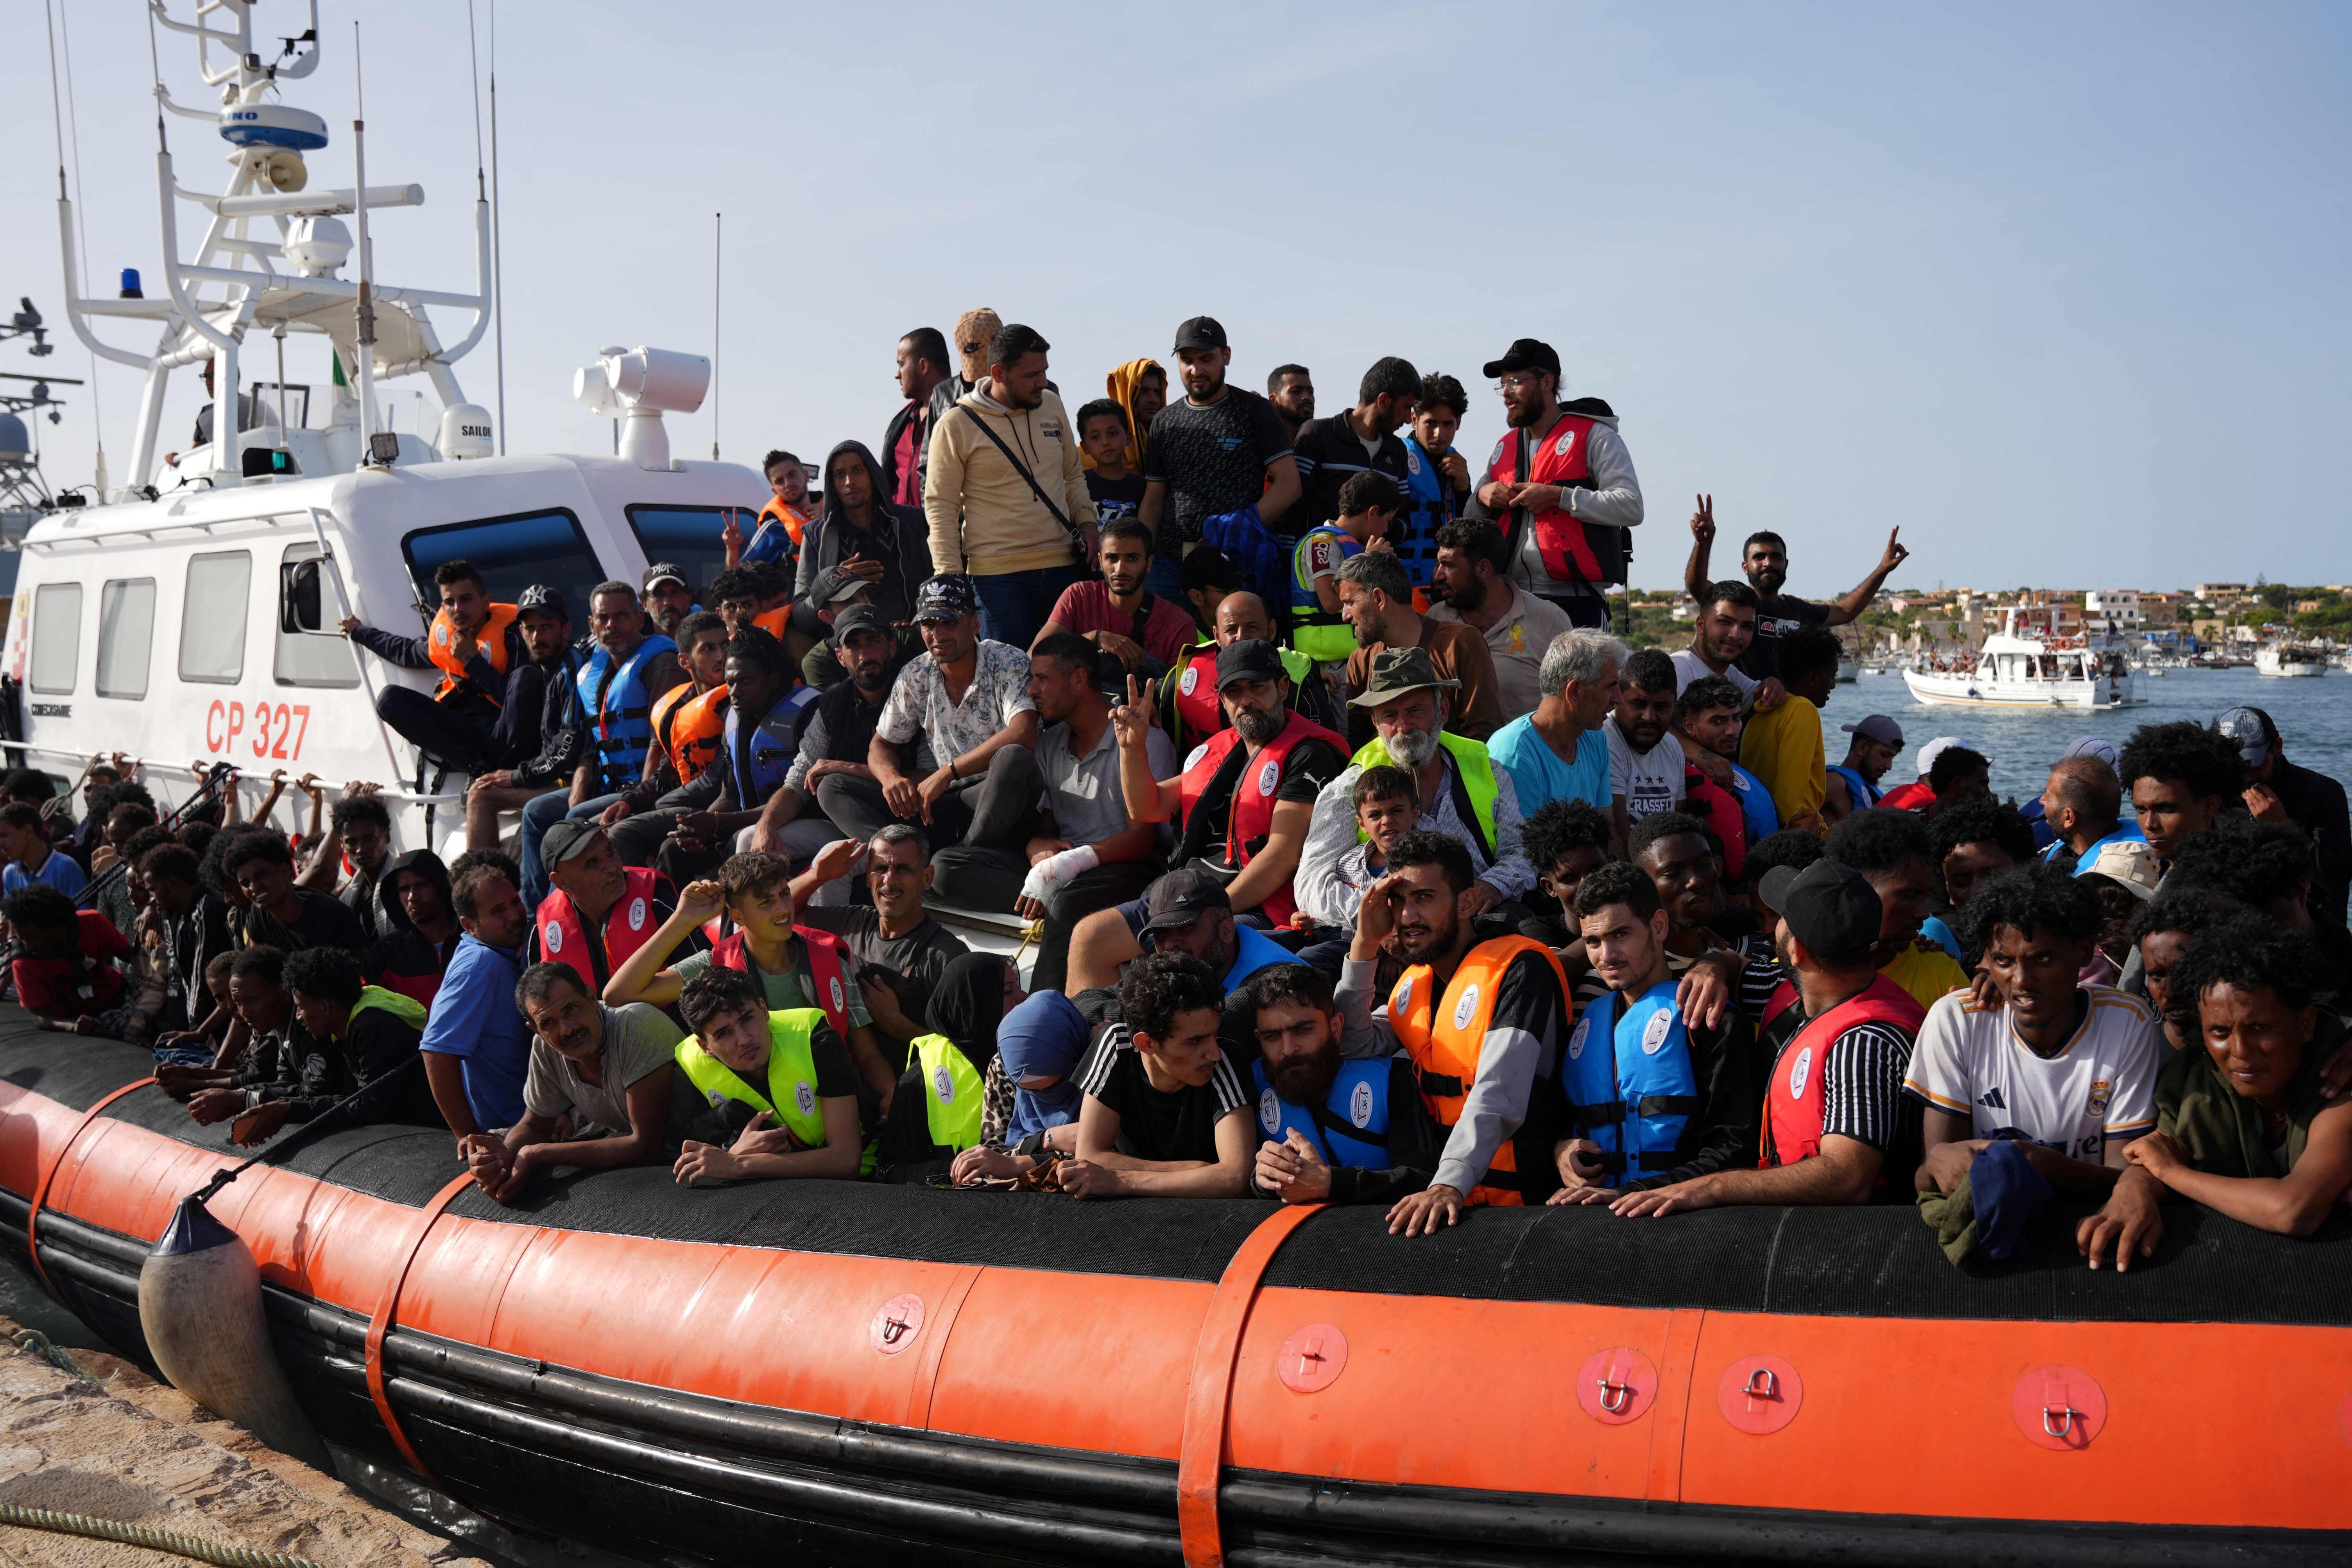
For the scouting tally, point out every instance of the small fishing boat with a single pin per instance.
(2289, 660)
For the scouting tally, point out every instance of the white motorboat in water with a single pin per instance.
(2290, 659)
(2022, 666)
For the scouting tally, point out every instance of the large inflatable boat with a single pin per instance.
(835, 1371)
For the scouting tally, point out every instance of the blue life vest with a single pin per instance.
(1430, 503)
(761, 759)
(1351, 1127)
(620, 711)
(1630, 1082)
(2128, 833)
(1756, 804)
(1857, 789)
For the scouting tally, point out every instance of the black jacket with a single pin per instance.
(2314, 803)
(888, 463)
(521, 691)
(900, 542)
(563, 728)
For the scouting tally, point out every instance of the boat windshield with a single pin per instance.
(512, 553)
(689, 538)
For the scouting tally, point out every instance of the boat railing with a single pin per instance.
(189, 771)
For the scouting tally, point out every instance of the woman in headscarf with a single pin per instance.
(966, 1008)
(1032, 1109)
(1139, 386)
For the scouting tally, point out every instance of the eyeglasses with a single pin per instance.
(1520, 382)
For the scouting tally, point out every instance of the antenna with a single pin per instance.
(718, 242)
(367, 301)
(497, 243)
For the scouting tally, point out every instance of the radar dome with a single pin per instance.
(16, 441)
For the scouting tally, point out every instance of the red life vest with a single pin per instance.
(1254, 795)
(1792, 1096)
(1568, 554)
(1193, 699)
(563, 939)
(826, 954)
(451, 652)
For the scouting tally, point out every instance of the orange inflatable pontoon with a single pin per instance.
(895, 1374)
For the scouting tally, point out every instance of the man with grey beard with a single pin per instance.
(1463, 793)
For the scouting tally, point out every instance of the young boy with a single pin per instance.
(1369, 504)
(2242, 1126)
(1117, 491)
(2069, 1067)
(796, 966)
(1164, 1113)
(1566, 841)
(780, 1085)
(1388, 805)
(24, 841)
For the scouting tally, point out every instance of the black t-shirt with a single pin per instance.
(1786, 615)
(1153, 1125)
(1212, 459)
(325, 922)
(915, 961)
(1121, 497)
(1306, 769)
(1330, 453)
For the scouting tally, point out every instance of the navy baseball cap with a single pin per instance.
(946, 598)
(540, 599)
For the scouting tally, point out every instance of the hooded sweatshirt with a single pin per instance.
(897, 541)
(404, 960)
(984, 519)
(1121, 385)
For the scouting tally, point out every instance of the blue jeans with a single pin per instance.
(541, 813)
(1013, 605)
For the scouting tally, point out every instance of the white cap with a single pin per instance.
(1934, 749)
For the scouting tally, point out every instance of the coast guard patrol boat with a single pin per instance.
(2024, 666)
(187, 616)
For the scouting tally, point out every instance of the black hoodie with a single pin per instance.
(901, 542)
(404, 960)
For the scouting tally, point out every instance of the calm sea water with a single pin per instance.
(2313, 720)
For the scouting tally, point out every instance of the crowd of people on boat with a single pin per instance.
(1360, 862)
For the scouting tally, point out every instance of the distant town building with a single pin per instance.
(2114, 612)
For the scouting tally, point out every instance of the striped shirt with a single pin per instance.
(1153, 1123)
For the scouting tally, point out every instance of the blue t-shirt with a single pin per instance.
(59, 872)
(1538, 774)
(474, 1019)
(1937, 932)
(1756, 804)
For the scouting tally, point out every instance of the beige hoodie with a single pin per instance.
(983, 517)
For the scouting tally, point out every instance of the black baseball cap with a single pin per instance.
(1249, 659)
(665, 572)
(1201, 332)
(567, 838)
(540, 599)
(1525, 353)
(1831, 907)
(858, 618)
(946, 598)
(1180, 898)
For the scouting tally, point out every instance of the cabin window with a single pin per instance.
(126, 637)
(56, 637)
(692, 538)
(306, 600)
(212, 618)
(512, 553)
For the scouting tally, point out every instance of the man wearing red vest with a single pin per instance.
(599, 911)
(1835, 1120)
(1246, 794)
(1560, 486)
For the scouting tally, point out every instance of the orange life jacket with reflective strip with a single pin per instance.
(451, 650)
(1444, 1036)
(688, 726)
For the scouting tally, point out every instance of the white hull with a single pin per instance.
(1972, 691)
(2295, 667)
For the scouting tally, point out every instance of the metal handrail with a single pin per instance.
(183, 770)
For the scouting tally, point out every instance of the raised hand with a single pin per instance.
(701, 901)
(1703, 520)
(1132, 721)
(1896, 553)
(838, 858)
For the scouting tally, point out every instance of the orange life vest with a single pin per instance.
(775, 622)
(451, 650)
(1792, 1096)
(1444, 1037)
(826, 956)
(688, 725)
(564, 939)
(1252, 815)
(1568, 552)
(777, 512)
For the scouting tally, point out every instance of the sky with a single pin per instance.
(2061, 291)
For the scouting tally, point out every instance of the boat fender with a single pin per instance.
(200, 1309)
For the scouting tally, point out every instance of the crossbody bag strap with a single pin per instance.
(1077, 541)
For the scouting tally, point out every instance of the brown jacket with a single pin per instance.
(1458, 653)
